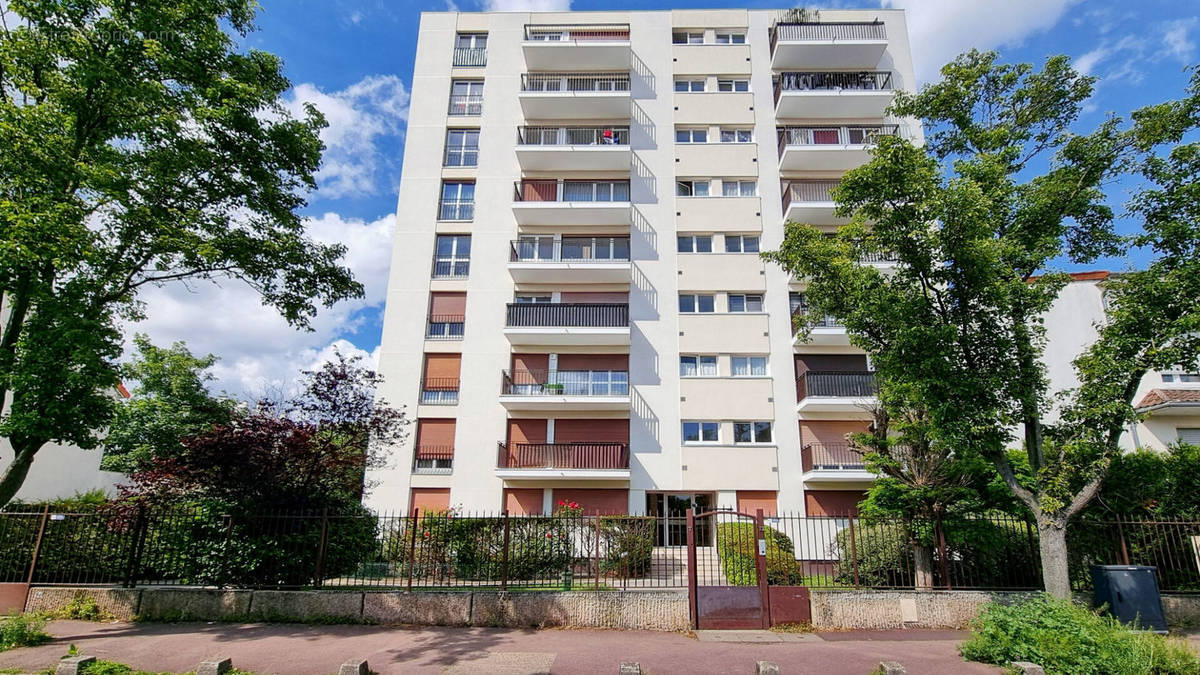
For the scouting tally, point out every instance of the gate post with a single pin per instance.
(760, 559)
(693, 610)
(37, 546)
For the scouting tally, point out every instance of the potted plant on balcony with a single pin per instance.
(553, 389)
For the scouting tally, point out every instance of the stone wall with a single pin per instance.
(119, 603)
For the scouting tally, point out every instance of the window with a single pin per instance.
(701, 432)
(1180, 377)
(733, 85)
(441, 329)
(453, 255)
(533, 299)
(741, 243)
(466, 97)
(687, 38)
(689, 85)
(462, 147)
(739, 302)
(691, 135)
(458, 201)
(737, 136)
(691, 188)
(738, 188)
(696, 304)
(694, 243)
(697, 366)
(471, 41)
(751, 432)
(748, 366)
(470, 49)
(1191, 436)
(731, 38)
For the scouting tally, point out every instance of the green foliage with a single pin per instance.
(83, 608)
(22, 630)
(1152, 484)
(169, 402)
(627, 545)
(738, 550)
(101, 667)
(1069, 639)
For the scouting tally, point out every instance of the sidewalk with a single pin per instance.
(319, 650)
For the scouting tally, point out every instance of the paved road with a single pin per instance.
(318, 650)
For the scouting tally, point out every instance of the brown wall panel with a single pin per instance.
(605, 501)
(748, 501)
(526, 431)
(430, 500)
(593, 362)
(435, 432)
(833, 502)
(447, 303)
(442, 366)
(595, 431)
(523, 501)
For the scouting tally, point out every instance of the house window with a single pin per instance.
(733, 85)
(533, 299)
(689, 85)
(741, 243)
(458, 201)
(694, 243)
(1191, 436)
(737, 136)
(738, 188)
(462, 147)
(691, 188)
(1181, 377)
(701, 432)
(731, 38)
(453, 256)
(739, 302)
(471, 41)
(690, 303)
(691, 135)
(697, 366)
(751, 432)
(748, 366)
(466, 97)
(685, 38)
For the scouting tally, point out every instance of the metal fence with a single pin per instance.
(567, 314)
(1173, 546)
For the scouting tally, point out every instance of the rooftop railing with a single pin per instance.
(530, 135)
(836, 384)
(563, 456)
(574, 82)
(594, 32)
(567, 315)
(570, 249)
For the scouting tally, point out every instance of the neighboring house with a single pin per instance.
(61, 471)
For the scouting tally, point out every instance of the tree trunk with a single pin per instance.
(1052, 546)
(15, 473)
(922, 565)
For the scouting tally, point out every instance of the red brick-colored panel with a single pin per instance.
(593, 362)
(748, 501)
(526, 431)
(447, 304)
(605, 501)
(435, 431)
(591, 431)
(430, 500)
(539, 190)
(523, 501)
(440, 368)
(530, 363)
(833, 502)
(829, 432)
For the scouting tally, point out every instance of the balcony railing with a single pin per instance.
(574, 82)
(444, 327)
(466, 104)
(439, 391)
(595, 32)
(830, 457)
(807, 192)
(571, 191)
(456, 209)
(470, 56)
(563, 456)
(523, 382)
(836, 384)
(827, 32)
(433, 459)
(834, 135)
(878, 257)
(451, 268)
(567, 315)
(570, 249)
(572, 135)
(832, 81)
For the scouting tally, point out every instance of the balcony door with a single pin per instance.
(671, 511)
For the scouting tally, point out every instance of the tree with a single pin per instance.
(140, 148)
(958, 322)
(170, 401)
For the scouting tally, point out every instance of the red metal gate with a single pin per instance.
(724, 591)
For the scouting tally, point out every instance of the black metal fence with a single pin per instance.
(1173, 546)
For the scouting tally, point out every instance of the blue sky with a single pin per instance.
(353, 59)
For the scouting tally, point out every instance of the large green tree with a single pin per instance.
(977, 218)
(142, 146)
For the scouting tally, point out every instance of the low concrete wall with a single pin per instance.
(194, 604)
(120, 603)
(424, 609)
(630, 610)
(866, 610)
(301, 606)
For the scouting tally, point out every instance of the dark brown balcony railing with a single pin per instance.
(530, 135)
(592, 32)
(827, 32)
(836, 384)
(568, 315)
(439, 391)
(563, 456)
(570, 249)
(830, 457)
(834, 135)
(530, 382)
(868, 80)
(444, 327)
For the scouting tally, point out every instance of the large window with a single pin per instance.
(688, 38)
(470, 49)
(694, 243)
(751, 432)
(453, 256)
(739, 302)
(731, 38)
(737, 135)
(748, 366)
(690, 303)
(697, 366)
(733, 85)
(691, 188)
(738, 188)
(689, 85)
(691, 135)
(466, 97)
(471, 41)
(741, 243)
(701, 432)
(458, 201)
(462, 147)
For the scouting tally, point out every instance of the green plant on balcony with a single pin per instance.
(553, 389)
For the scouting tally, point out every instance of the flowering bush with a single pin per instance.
(567, 509)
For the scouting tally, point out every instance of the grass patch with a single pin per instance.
(22, 630)
(83, 607)
(793, 627)
(1070, 639)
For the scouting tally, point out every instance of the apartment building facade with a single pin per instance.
(577, 309)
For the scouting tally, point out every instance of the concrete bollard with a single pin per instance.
(354, 668)
(892, 668)
(73, 665)
(1027, 668)
(766, 668)
(630, 668)
(214, 667)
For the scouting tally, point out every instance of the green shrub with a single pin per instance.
(539, 548)
(627, 543)
(22, 630)
(1068, 638)
(738, 550)
(82, 608)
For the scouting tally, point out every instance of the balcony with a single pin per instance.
(439, 391)
(571, 202)
(594, 461)
(554, 96)
(584, 260)
(565, 390)
(827, 331)
(577, 47)
(833, 462)
(456, 209)
(470, 57)
(573, 148)
(444, 327)
(837, 391)
(567, 323)
(811, 94)
(810, 202)
(465, 105)
(828, 45)
(433, 459)
(828, 148)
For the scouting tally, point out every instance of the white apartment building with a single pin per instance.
(577, 309)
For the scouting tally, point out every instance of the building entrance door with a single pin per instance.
(671, 511)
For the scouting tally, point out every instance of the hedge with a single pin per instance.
(738, 551)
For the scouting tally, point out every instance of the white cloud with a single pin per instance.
(1087, 63)
(1176, 43)
(526, 5)
(939, 30)
(258, 350)
(359, 117)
